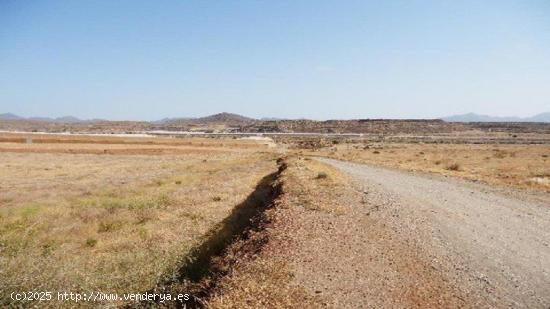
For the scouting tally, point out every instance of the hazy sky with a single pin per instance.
(316, 59)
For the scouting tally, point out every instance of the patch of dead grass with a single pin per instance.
(316, 194)
(503, 165)
(112, 223)
(257, 269)
(265, 283)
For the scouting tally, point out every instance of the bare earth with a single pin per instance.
(130, 212)
(407, 240)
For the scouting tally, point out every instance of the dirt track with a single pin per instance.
(417, 241)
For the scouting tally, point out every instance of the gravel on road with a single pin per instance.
(411, 240)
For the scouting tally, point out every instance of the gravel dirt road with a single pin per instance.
(409, 240)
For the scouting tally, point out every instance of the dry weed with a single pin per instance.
(112, 223)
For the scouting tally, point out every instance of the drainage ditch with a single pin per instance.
(199, 273)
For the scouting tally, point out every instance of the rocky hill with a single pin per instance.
(233, 123)
(227, 118)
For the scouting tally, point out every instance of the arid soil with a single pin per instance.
(418, 240)
(213, 217)
(348, 235)
(522, 166)
(107, 215)
(260, 268)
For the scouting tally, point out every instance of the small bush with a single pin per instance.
(113, 204)
(48, 247)
(453, 167)
(109, 226)
(163, 201)
(499, 154)
(216, 198)
(437, 162)
(322, 175)
(143, 233)
(91, 242)
(376, 152)
(143, 215)
(178, 182)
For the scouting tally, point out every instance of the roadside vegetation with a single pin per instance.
(125, 215)
(259, 269)
(113, 223)
(520, 166)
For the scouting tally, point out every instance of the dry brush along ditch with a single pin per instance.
(207, 263)
(248, 260)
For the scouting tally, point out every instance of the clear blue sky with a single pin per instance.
(316, 59)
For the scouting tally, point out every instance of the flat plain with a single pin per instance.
(248, 223)
(107, 214)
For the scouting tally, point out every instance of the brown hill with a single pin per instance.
(225, 118)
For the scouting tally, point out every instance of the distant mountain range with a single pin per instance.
(10, 116)
(272, 119)
(221, 118)
(471, 117)
(64, 119)
(216, 118)
(235, 119)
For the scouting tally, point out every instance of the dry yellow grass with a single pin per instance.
(112, 223)
(266, 278)
(312, 184)
(25, 138)
(80, 144)
(520, 166)
(264, 283)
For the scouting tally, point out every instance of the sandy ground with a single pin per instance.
(417, 241)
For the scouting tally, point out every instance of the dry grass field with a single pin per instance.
(110, 216)
(47, 143)
(265, 267)
(133, 214)
(519, 166)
